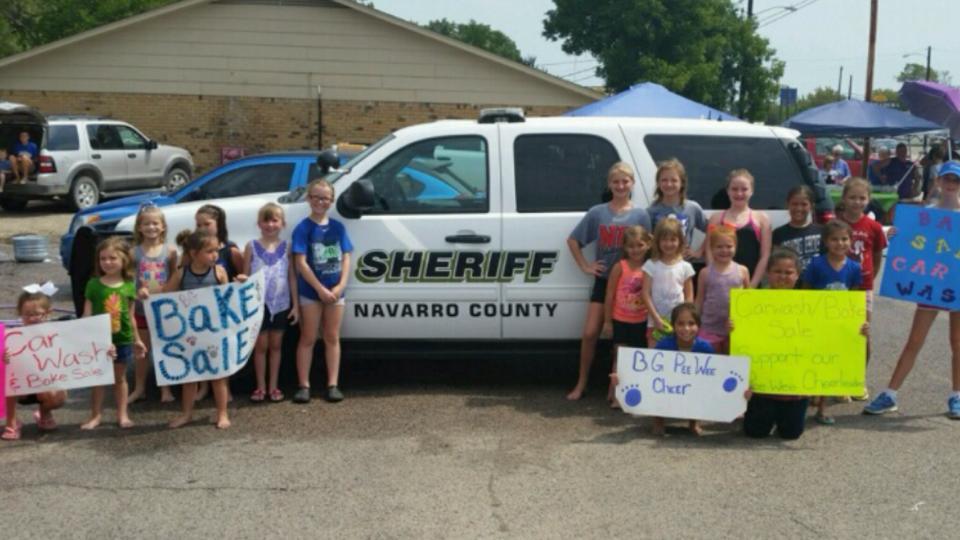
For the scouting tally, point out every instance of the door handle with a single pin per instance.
(95, 156)
(468, 239)
(131, 155)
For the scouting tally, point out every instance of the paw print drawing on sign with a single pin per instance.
(631, 395)
(730, 383)
(213, 351)
(187, 298)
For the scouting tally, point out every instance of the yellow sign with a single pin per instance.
(805, 343)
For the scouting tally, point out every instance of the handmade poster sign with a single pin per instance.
(58, 356)
(923, 259)
(682, 385)
(805, 343)
(204, 334)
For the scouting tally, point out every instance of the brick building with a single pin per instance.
(209, 74)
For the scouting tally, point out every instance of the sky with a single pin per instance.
(814, 40)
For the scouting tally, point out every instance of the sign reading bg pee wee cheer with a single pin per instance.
(204, 334)
(804, 343)
(923, 260)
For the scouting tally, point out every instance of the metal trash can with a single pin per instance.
(29, 248)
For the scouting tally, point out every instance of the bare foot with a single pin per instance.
(135, 396)
(696, 428)
(125, 423)
(575, 394)
(223, 423)
(659, 427)
(92, 423)
(614, 404)
(180, 421)
(166, 396)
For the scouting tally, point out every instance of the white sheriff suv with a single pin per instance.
(460, 226)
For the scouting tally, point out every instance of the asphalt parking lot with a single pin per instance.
(448, 448)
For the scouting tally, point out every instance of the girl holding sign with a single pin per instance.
(685, 320)
(33, 307)
(949, 185)
(112, 291)
(202, 271)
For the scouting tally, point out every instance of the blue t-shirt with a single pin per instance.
(324, 246)
(602, 226)
(669, 343)
(820, 275)
(843, 170)
(30, 148)
(5, 165)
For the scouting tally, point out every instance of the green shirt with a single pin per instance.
(116, 301)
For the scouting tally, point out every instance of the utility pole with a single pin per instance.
(871, 56)
(928, 62)
(840, 83)
(742, 102)
(850, 87)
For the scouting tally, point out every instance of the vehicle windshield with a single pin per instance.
(297, 193)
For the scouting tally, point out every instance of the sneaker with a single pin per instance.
(333, 394)
(953, 408)
(302, 395)
(884, 403)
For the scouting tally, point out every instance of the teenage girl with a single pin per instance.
(112, 291)
(714, 284)
(801, 234)
(670, 200)
(948, 184)
(603, 224)
(153, 263)
(685, 320)
(625, 314)
(667, 280)
(321, 252)
(201, 249)
(271, 255)
(754, 237)
(33, 308)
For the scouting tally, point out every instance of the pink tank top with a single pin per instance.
(628, 302)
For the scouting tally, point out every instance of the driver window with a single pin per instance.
(131, 139)
(435, 176)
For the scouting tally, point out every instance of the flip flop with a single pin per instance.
(44, 425)
(257, 396)
(825, 420)
(11, 433)
(276, 395)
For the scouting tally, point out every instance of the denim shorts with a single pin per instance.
(124, 354)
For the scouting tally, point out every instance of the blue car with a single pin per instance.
(265, 173)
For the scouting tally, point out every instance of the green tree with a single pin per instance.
(918, 72)
(481, 36)
(820, 96)
(700, 49)
(888, 97)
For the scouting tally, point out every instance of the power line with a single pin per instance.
(591, 68)
(797, 7)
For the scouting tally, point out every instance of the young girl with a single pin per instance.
(833, 271)
(33, 308)
(714, 284)
(670, 200)
(112, 291)
(321, 250)
(754, 238)
(603, 224)
(766, 411)
(271, 255)
(948, 184)
(625, 315)
(153, 262)
(801, 234)
(667, 280)
(867, 240)
(685, 320)
(201, 249)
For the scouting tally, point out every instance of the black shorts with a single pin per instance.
(275, 322)
(599, 292)
(630, 334)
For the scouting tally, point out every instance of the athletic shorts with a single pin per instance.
(630, 334)
(599, 293)
(275, 322)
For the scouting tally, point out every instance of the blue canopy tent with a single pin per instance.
(649, 100)
(855, 118)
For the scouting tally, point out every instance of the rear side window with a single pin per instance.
(709, 160)
(63, 138)
(561, 173)
(104, 137)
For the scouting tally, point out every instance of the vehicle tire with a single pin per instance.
(13, 205)
(176, 178)
(84, 193)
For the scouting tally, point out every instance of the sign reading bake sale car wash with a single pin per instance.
(204, 334)
(58, 356)
(677, 384)
(923, 260)
(806, 343)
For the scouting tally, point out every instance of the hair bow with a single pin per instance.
(47, 288)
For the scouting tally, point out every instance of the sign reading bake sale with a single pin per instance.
(923, 260)
(676, 384)
(58, 356)
(805, 343)
(204, 334)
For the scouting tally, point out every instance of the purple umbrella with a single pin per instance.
(936, 102)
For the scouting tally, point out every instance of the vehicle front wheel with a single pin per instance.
(13, 205)
(84, 193)
(175, 179)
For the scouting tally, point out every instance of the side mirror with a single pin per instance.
(152, 145)
(357, 199)
(328, 159)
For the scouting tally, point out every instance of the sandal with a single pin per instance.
(44, 425)
(825, 420)
(257, 396)
(11, 433)
(276, 395)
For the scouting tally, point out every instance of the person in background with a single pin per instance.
(24, 157)
(931, 170)
(899, 171)
(5, 168)
(875, 173)
(840, 168)
(826, 170)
